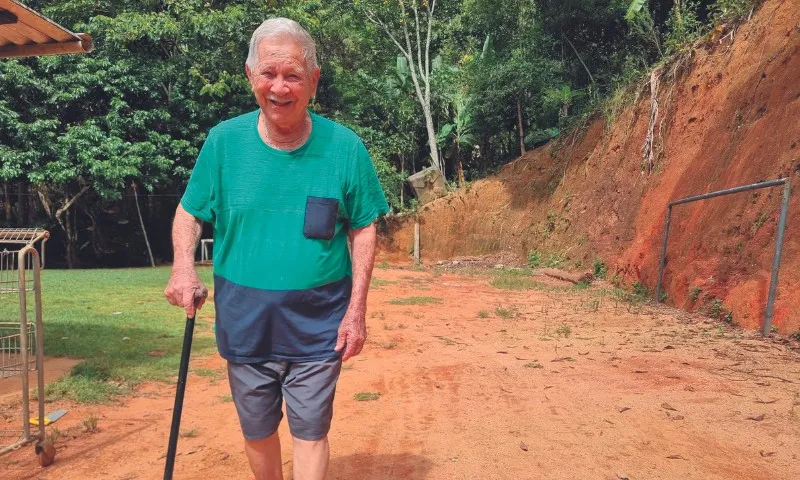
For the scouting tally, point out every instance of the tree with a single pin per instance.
(82, 128)
(514, 68)
(409, 25)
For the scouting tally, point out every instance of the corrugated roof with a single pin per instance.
(25, 33)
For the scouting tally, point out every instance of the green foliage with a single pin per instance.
(564, 330)
(600, 269)
(534, 259)
(504, 312)
(726, 11)
(643, 26)
(640, 290)
(555, 260)
(682, 27)
(635, 8)
(716, 308)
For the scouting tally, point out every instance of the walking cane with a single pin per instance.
(176, 411)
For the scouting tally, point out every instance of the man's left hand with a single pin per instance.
(352, 334)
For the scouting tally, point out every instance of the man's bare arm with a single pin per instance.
(353, 330)
(185, 289)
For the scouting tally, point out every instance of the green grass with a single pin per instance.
(366, 396)
(378, 283)
(214, 375)
(564, 331)
(483, 314)
(415, 301)
(518, 283)
(533, 364)
(225, 399)
(112, 320)
(503, 312)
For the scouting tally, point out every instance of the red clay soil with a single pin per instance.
(477, 382)
(729, 114)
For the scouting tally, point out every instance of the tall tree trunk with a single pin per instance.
(520, 127)
(436, 159)
(7, 204)
(66, 225)
(65, 220)
(21, 202)
(459, 166)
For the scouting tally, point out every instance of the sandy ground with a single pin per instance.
(572, 386)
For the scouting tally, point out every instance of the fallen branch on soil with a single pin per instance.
(569, 277)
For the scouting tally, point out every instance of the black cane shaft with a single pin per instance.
(176, 411)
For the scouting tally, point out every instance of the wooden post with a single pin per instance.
(416, 244)
(141, 222)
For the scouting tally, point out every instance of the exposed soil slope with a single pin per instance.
(729, 115)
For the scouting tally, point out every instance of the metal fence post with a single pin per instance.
(663, 260)
(776, 260)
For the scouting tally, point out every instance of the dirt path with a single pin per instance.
(570, 386)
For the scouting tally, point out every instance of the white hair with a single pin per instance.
(279, 27)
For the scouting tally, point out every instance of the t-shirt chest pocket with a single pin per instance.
(320, 219)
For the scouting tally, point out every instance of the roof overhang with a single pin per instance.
(25, 33)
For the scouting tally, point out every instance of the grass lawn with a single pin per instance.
(118, 322)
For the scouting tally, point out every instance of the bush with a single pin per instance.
(600, 269)
(534, 259)
(731, 11)
(640, 290)
(683, 28)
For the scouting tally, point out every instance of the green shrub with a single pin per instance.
(731, 11)
(640, 290)
(600, 269)
(534, 259)
(683, 27)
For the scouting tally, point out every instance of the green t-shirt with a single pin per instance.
(280, 221)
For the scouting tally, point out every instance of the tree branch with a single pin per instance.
(69, 203)
(422, 71)
(45, 201)
(579, 58)
(374, 19)
(428, 39)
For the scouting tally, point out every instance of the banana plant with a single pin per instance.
(642, 24)
(459, 135)
(562, 97)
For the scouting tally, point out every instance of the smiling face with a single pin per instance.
(282, 82)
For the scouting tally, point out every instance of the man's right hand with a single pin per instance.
(185, 289)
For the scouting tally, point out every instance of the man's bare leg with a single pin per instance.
(265, 457)
(310, 459)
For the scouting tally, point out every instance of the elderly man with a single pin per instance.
(284, 189)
